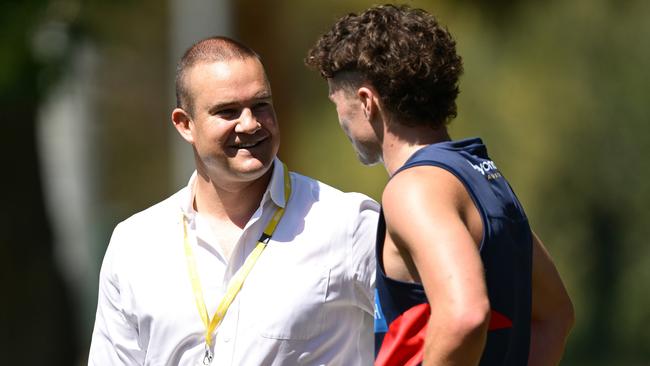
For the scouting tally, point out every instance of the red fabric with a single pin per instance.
(403, 344)
(499, 321)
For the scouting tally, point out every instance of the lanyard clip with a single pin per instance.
(207, 358)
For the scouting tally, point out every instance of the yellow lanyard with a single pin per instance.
(237, 281)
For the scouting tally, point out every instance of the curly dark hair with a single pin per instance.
(407, 56)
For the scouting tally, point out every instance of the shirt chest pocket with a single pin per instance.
(290, 301)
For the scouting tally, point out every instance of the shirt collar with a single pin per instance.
(276, 185)
(275, 189)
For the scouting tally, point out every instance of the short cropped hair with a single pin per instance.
(404, 53)
(213, 49)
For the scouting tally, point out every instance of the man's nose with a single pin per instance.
(247, 122)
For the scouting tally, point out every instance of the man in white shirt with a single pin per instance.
(308, 298)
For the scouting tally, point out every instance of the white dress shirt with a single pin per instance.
(307, 301)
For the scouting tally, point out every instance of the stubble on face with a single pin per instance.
(365, 152)
(357, 128)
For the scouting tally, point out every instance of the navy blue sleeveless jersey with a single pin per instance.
(402, 309)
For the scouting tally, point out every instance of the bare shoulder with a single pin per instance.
(422, 187)
(426, 217)
(428, 199)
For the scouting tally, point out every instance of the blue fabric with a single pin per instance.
(506, 250)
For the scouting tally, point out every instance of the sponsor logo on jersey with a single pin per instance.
(380, 320)
(487, 168)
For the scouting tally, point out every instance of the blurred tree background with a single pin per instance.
(557, 89)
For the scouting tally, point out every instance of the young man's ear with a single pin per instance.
(368, 102)
(183, 124)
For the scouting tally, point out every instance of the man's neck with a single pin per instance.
(235, 202)
(401, 141)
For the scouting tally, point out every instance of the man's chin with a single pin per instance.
(367, 160)
(252, 169)
(372, 163)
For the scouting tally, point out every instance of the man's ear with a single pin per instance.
(368, 101)
(183, 124)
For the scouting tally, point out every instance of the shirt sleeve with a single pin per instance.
(115, 335)
(362, 258)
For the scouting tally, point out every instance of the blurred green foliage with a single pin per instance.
(37, 312)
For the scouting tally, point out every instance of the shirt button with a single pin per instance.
(226, 339)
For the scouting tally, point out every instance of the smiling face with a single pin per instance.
(233, 126)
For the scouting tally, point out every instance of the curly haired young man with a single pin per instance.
(461, 278)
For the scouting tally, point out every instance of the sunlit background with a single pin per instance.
(557, 89)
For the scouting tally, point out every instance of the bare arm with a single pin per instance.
(425, 219)
(552, 310)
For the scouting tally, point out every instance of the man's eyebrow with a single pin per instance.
(225, 105)
(265, 94)
(261, 95)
